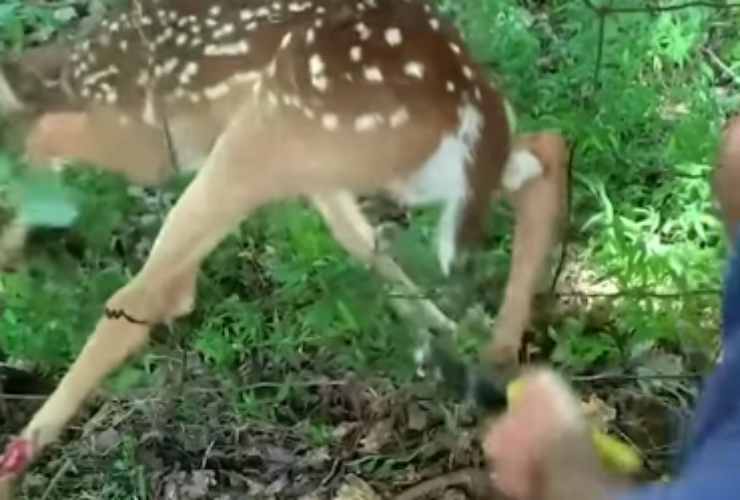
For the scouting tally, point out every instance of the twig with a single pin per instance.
(600, 47)
(639, 293)
(721, 65)
(603, 9)
(207, 454)
(62, 470)
(475, 480)
(331, 474)
(21, 397)
(277, 385)
(624, 377)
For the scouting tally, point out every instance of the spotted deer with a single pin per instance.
(324, 100)
(726, 181)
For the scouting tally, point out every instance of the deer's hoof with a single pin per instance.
(502, 354)
(15, 460)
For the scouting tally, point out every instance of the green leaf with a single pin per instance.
(45, 203)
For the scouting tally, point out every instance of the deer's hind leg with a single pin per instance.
(214, 203)
(353, 231)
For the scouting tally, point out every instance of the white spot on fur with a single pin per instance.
(286, 40)
(321, 83)
(216, 91)
(227, 49)
(355, 53)
(299, 7)
(224, 31)
(316, 65)
(316, 68)
(455, 48)
(414, 69)
(330, 121)
(310, 36)
(363, 31)
(450, 86)
(521, 167)
(468, 72)
(188, 72)
(399, 117)
(373, 74)
(434, 23)
(368, 122)
(393, 36)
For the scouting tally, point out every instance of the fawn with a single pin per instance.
(325, 100)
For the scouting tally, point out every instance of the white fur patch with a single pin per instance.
(444, 179)
(521, 167)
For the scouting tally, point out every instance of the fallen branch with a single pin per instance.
(475, 481)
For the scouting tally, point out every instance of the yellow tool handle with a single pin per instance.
(616, 455)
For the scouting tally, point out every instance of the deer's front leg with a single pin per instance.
(161, 291)
(354, 232)
(535, 181)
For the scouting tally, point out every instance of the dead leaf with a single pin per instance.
(379, 435)
(105, 441)
(355, 488)
(454, 494)
(277, 486)
(344, 429)
(316, 458)
(418, 419)
(189, 486)
(598, 412)
(311, 496)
